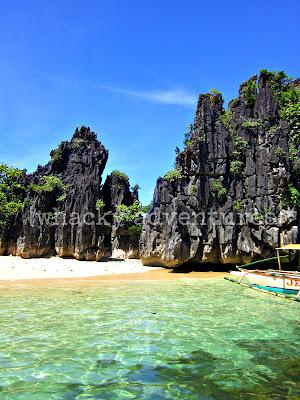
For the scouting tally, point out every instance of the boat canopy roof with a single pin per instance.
(289, 247)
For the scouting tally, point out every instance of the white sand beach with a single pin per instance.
(39, 270)
(14, 268)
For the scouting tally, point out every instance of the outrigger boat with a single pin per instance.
(275, 281)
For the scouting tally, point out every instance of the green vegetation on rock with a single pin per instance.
(130, 216)
(236, 167)
(61, 198)
(257, 217)
(193, 190)
(173, 175)
(238, 205)
(190, 138)
(252, 123)
(240, 144)
(249, 91)
(294, 157)
(51, 182)
(77, 142)
(215, 95)
(12, 192)
(226, 120)
(291, 196)
(215, 92)
(100, 204)
(218, 190)
(56, 155)
(290, 111)
(273, 129)
(287, 94)
(276, 80)
(147, 208)
(188, 135)
(135, 229)
(120, 175)
(280, 153)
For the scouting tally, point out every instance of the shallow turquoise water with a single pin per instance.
(185, 339)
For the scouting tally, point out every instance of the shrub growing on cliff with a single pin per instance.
(233, 103)
(215, 95)
(257, 217)
(188, 135)
(294, 157)
(276, 80)
(195, 140)
(291, 196)
(287, 94)
(100, 204)
(215, 91)
(76, 143)
(240, 144)
(238, 206)
(193, 190)
(56, 155)
(12, 192)
(249, 91)
(236, 167)
(280, 153)
(218, 190)
(61, 198)
(290, 111)
(120, 175)
(273, 130)
(135, 229)
(173, 175)
(128, 214)
(226, 120)
(147, 208)
(252, 123)
(51, 182)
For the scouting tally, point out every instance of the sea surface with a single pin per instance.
(182, 339)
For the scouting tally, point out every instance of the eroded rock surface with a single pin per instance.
(237, 165)
(60, 214)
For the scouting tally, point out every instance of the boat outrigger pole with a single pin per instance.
(278, 258)
(289, 248)
(277, 282)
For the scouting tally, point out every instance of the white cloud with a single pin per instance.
(176, 96)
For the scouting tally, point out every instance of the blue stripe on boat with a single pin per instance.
(276, 290)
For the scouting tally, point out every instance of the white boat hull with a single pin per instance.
(276, 281)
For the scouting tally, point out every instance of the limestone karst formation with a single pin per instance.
(64, 205)
(233, 196)
(241, 163)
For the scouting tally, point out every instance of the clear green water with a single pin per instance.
(184, 339)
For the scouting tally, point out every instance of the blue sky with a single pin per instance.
(131, 70)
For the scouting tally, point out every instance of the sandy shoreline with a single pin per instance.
(16, 268)
(64, 271)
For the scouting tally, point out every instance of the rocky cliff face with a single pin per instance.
(60, 213)
(116, 191)
(234, 195)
